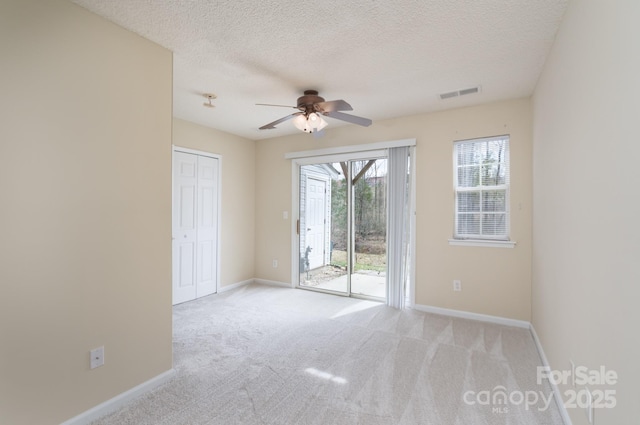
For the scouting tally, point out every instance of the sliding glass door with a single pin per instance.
(342, 227)
(369, 228)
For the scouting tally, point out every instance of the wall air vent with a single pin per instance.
(457, 93)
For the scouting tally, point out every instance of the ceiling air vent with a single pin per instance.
(457, 93)
(449, 95)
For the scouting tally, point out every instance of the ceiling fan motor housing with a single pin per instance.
(306, 102)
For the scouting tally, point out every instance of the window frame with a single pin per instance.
(462, 238)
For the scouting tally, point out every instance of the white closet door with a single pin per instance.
(207, 226)
(185, 194)
(195, 226)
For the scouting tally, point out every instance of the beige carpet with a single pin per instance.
(268, 355)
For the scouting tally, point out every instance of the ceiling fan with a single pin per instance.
(312, 107)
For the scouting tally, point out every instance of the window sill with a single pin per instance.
(482, 242)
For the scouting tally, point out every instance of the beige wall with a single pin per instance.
(238, 195)
(496, 281)
(586, 208)
(85, 217)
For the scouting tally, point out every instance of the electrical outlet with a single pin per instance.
(457, 285)
(275, 264)
(285, 215)
(97, 357)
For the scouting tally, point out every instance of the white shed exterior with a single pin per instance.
(311, 177)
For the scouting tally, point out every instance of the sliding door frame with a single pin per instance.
(297, 165)
(345, 153)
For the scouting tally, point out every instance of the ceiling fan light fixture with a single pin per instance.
(309, 123)
(316, 122)
(320, 123)
(300, 122)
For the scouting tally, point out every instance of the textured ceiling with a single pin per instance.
(386, 58)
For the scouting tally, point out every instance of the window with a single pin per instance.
(481, 179)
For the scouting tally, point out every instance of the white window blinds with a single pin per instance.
(481, 179)
(398, 226)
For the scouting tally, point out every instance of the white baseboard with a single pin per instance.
(472, 316)
(273, 283)
(250, 281)
(234, 286)
(120, 400)
(556, 391)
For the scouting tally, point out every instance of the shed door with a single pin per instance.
(315, 221)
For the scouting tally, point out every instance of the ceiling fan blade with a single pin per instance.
(333, 106)
(365, 122)
(281, 106)
(272, 125)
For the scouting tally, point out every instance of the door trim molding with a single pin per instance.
(351, 149)
(174, 149)
(195, 152)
